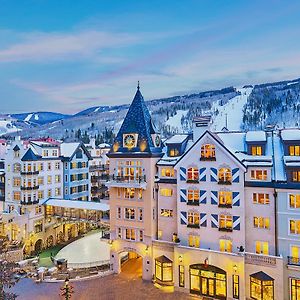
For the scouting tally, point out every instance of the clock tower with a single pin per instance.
(133, 196)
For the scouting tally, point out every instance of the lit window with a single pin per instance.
(261, 222)
(225, 199)
(262, 287)
(129, 213)
(294, 257)
(119, 212)
(49, 179)
(225, 245)
(262, 247)
(163, 269)
(193, 219)
(295, 226)
(181, 276)
(40, 195)
(194, 241)
(294, 150)
(174, 152)
(49, 166)
(129, 193)
(16, 181)
(208, 152)
(140, 214)
(167, 172)
(260, 198)
(193, 175)
(193, 197)
(119, 233)
(225, 223)
(130, 234)
(166, 213)
(17, 196)
(225, 175)
(166, 192)
(296, 176)
(57, 191)
(236, 286)
(294, 200)
(259, 174)
(295, 289)
(57, 166)
(256, 150)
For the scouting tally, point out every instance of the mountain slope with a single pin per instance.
(39, 118)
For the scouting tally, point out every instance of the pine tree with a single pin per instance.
(7, 279)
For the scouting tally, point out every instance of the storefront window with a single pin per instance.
(164, 269)
(295, 289)
(261, 286)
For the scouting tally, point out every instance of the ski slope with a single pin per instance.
(175, 121)
(233, 111)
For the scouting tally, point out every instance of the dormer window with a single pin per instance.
(174, 152)
(193, 175)
(296, 176)
(259, 174)
(225, 176)
(256, 150)
(208, 152)
(294, 150)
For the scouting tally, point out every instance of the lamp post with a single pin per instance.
(67, 290)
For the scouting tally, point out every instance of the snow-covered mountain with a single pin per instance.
(39, 118)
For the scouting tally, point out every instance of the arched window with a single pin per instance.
(225, 176)
(193, 175)
(193, 219)
(208, 152)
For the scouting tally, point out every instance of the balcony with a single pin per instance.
(192, 180)
(225, 205)
(29, 188)
(127, 181)
(29, 172)
(193, 225)
(225, 229)
(260, 259)
(211, 158)
(193, 203)
(293, 261)
(29, 202)
(225, 182)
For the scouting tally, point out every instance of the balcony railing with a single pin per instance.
(225, 205)
(99, 167)
(195, 203)
(29, 202)
(30, 172)
(225, 182)
(29, 188)
(295, 261)
(211, 158)
(137, 179)
(192, 180)
(193, 225)
(259, 259)
(226, 229)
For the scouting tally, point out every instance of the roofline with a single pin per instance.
(224, 147)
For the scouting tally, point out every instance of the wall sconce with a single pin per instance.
(235, 267)
(180, 258)
(110, 242)
(146, 250)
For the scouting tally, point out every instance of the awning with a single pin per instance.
(261, 276)
(77, 204)
(163, 259)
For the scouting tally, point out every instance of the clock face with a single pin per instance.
(157, 141)
(129, 140)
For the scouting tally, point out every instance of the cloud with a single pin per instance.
(40, 46)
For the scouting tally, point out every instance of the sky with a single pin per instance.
(66, 56)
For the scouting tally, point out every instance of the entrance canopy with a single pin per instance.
(262, 276)
(76, 204)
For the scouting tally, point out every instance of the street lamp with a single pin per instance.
(67, 290)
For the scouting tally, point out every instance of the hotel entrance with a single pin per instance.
(207, 280)
(131, 265)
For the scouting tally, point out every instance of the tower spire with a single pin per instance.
(138, 86)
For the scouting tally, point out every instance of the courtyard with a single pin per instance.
(127, 285)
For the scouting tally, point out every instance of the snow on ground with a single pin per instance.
(36, 117)
(233, 110)
(27, 119)
(7, 127)
(175, 121)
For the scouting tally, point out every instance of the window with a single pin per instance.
(167, 172)
(130, 234)
(262, 247)
(225, 223)
(57, 166)
(140, 214)
(38, 227)
(119, 233)
(40, 180)
(259, 174)
(46, 153)
(17, 167)
(141, 235)
(166, 192)
(296, 176)
(193, 197)
(260, 198)
(261, 222)
(294, 257)
(225, 175)
(208, 152)
(57, 191)
(294, 226)
(193, 219)
(57, 178)
(261, 289)
(49, 193)
(129, 193)
(163, 269)
(294, 200)
(49, 166)
(194, 241)
(38, 209)
(225, 199)
(181, 276)
(225, 245)
(40, 195)
(294, 150)
(129, 213)
(119, 191)
(295, 289)
(166, 213)
(174, 152)
(16, 181)
(236, 286)
(17, 196)
(40, 166)
(17, 153)
(119, 212)
(256, 150)
(193, 175)
(49, 179)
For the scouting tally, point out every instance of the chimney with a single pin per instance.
(200, 125)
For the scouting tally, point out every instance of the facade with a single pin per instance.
(213, 213)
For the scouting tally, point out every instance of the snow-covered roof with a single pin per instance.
(256, 136)
(177, 139)
(68, 149)
(76, 204)
(290, 134)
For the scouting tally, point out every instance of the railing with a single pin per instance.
(29, 202)
(211, 158)
(29, 172)
(259, 259)
(195, 203)
(88, 264)
(29, 188)
(99, 167)
(129, 179)
(192, 180)
(295, 261)
(225, 182)
(225, 205)
(226, 229)
(193, 225)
